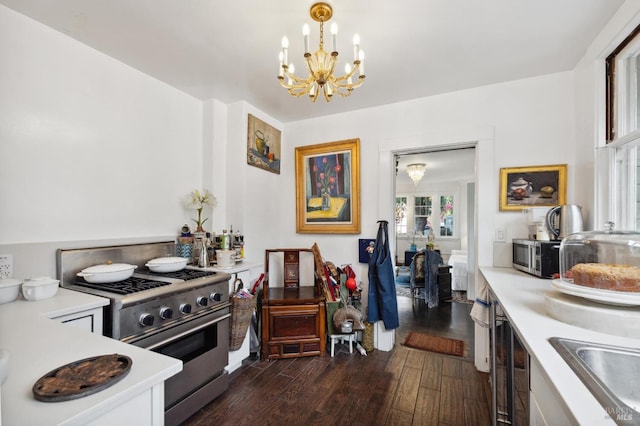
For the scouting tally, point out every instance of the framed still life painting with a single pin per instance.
(263, 145)
(328, 188)
(534, 186)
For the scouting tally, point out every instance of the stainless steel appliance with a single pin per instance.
(564, 220)
(183, 314)
(539, 258)
(509, 371)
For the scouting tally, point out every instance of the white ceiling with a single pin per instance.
(442, 166)
(228, 49)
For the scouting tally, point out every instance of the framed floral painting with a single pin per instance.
(328, 188)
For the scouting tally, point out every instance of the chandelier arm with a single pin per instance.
(295, 78)
(311, 67)
(299, 85)
(356, 67)
(333, 60)
(351, 85)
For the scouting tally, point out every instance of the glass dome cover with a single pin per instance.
(604, 260)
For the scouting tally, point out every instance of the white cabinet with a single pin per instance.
(546, 406)
(88, 320)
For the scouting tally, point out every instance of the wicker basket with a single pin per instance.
(241, 312)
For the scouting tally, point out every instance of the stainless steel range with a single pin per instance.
(183, 314)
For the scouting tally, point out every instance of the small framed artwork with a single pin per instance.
(366, 246)
(328, 188)
(263, 145)
(534, 186)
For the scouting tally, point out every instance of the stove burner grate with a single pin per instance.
(128, 286)
(183, 274)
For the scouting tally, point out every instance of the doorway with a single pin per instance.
(486, 199)
(435, 210)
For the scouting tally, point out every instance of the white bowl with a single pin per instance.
(107, 273)
(39, 289)
(167, 264)
(9, 290)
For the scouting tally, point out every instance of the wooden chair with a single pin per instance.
(293, 305)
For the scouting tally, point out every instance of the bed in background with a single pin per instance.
(458, 262)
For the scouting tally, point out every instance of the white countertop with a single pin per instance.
(238, 267)
(522, 298)
(38, 345)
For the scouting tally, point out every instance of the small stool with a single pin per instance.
(350, 337)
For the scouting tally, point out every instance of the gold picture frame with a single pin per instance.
(534, 186)
(328, 188)
(263, 145)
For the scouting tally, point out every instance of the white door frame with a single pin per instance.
(486, 196)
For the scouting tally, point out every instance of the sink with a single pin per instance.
(611, 373)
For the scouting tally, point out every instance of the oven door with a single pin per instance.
(201, 344)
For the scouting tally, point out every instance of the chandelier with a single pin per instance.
(416, 172)
(321, 64)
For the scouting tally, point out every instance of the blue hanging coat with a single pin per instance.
(383, 304)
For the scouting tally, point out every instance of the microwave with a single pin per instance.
(539, 258)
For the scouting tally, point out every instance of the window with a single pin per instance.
(401, 215)
(623, 127)
(446, 215)
(422, 215)
(623, 87)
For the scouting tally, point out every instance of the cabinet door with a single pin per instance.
(90, 320)
(289, 322)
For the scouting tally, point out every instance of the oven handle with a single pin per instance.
(185, 333)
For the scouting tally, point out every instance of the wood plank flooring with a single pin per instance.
(401, 387)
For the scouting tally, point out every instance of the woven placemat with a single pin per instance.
(437, 344)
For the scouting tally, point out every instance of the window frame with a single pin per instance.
(615, 101)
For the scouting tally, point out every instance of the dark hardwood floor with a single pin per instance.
(401, 387)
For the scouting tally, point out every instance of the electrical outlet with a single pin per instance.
(6, 265)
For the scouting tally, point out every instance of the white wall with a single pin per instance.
(90, 148)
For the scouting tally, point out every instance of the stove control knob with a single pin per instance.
(146, 320)
(201, 301)
(215, 297)
(185, 308)
(166, 312)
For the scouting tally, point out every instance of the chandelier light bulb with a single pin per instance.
(305, 35)
(361, 58)
(334, 36)
(285, 48)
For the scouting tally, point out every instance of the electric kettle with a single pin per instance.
(564, 220)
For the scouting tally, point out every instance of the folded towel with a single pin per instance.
(480, 310)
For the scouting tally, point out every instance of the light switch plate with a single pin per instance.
(6, 265)
(501, 235)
